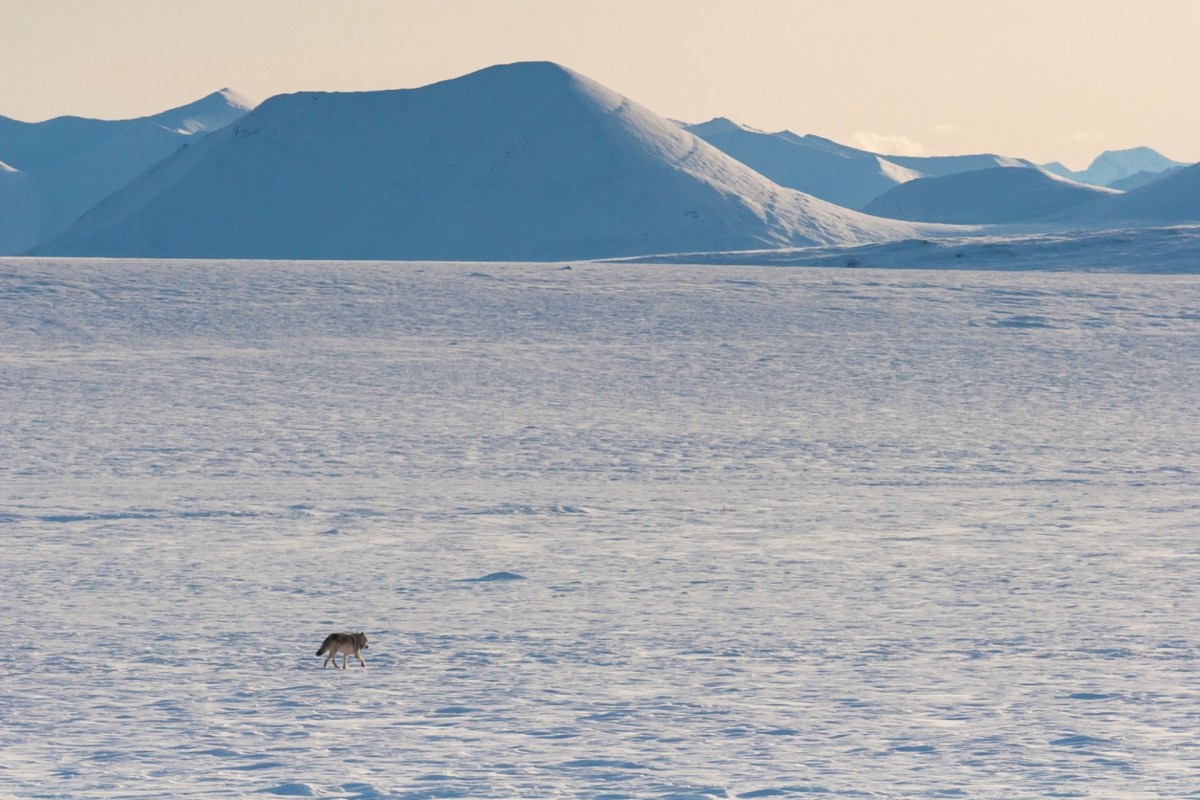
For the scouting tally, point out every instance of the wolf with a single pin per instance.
(348, 644)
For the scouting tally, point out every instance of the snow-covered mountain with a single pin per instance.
(820, 167)
(997, 195)
(57, 169)
(1139, 179)
(527, 161)
(206, 114)
(835, 172)
(1173, 199)
(937, 166)
(1114, 165)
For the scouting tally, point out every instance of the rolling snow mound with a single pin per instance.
(990, 196)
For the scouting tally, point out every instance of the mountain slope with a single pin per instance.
(22, 207)
(835, 172)
(820, 167)
(526, 161)
(1173, 199)
(997, 195)
(68, 164)
(1139, 179)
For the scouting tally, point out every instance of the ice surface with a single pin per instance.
(782, 532)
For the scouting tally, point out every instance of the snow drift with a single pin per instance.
(527, 161)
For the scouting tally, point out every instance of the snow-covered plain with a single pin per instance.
(1161, 250)
(778, 532)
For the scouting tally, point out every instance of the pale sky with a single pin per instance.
(1040, 79)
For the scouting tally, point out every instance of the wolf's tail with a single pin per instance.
(324, 646)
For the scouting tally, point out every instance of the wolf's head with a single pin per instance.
(360, 639)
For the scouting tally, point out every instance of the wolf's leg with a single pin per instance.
(360, 659)
(344, 657)
(328, 658)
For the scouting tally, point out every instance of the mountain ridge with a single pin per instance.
(61, 167)
(1174, 199)
(848, 176)
(525, 161)
(816, 166)
(1112, 166)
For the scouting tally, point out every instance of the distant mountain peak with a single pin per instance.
(521, 72)
(1129, 153)
(209, 113)
(717, 126)
(1112, 166)
(234, 98)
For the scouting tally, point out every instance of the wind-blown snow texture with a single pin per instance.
(782, 532)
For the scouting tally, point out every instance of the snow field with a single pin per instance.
(1171, 250)
(770, 531)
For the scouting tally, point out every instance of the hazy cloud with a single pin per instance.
(944, 130)
(891, 144)
(1082, 137)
